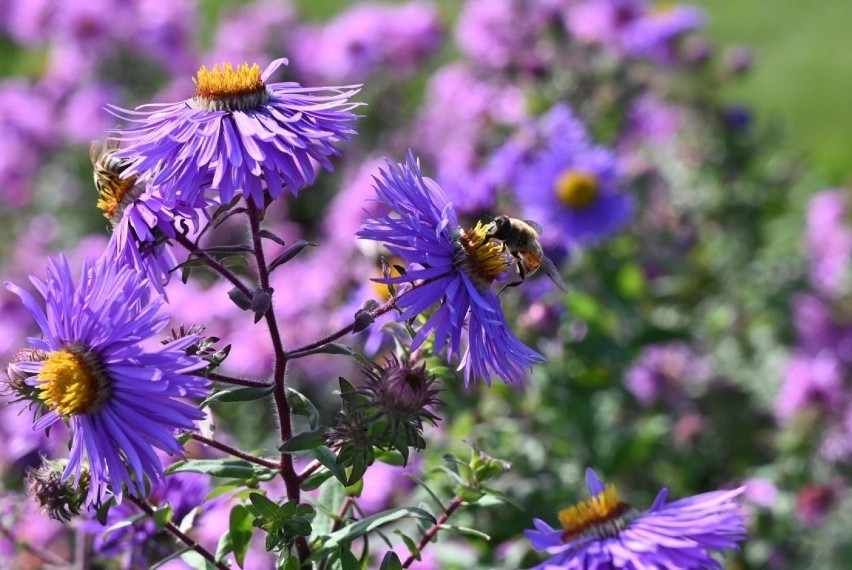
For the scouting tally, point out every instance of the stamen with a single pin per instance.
(72, 382)
(483, 259)
(576, 189)
(229, 89)
(602, 516)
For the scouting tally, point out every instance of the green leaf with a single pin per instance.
(302, 406)
(328, 504)
(326, 456)
(348, 560)
(503, 497)
(292, 563)
(240, 529)
(271, 236)
(391, 562)
(330, 348)
(226, 468)
(289, 253)
(390, 457)
(468, 494)
(225, 546)
(465, 531)
(162, 516)
(316, 480)
(266, 507)
(365, 526)
(305, 441)
(177, 554)
(432, 494)
(241, 394)
(409, 543)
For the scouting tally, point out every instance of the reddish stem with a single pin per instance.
(233, 451)
(433, 530)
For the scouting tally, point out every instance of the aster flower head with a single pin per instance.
(238, 134)
(118, 398)
(605, 533)
(572, 185)
(655, 33)
(453, 268)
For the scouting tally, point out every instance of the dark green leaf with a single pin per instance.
(265, 506)
(326, 456)
(316, 480)
(330, 348)
(365, 526)
(241, 394)
(391, 562)
(465, 531)
(227, 468)
(240, 529)
(292, 563)
(302, 406)
(289, 253)
(409, 543)
(305, 441)
(348, 560)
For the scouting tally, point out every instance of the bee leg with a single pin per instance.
(521, 272)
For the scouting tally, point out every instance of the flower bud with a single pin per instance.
(60, 501)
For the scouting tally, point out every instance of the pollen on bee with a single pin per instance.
(114, 193)
(602, 515)
(481, 257)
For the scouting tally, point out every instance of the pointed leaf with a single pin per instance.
(305, 441)
(391, 562)
(241, 394)
(302, 406)
(289, 253)
(240, 529)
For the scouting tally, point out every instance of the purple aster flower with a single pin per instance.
(145, 542)
(666, 371)
(829, 241)
(249, 31)
(605, 533)
(572, 187)
(368, 38)
(602, 22)
(140, 218)
(119, 399)
(238, 134)
(654, 34)
(453, 268)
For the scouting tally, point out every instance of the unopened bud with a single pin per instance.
(364, 315)
(15, 382)
(60, 501)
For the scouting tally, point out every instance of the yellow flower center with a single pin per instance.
(602, 515)
(228, 88)
(70, 383)
(483, 259)
(576, 189)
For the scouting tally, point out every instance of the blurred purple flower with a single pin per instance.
(453, 269)
(604, 532)
(166, 32)
(369, 38)
(383, 484)
(571, 188)
(238, 134)
(761, 492)
(602, 22)
(117, 397)
(503, 33)
(666, 371)
(460, 111)
(828, 239)
(654, 34)
(250, 32)
(184, 492)
(812, 380)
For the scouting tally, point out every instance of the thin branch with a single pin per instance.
(179, 534)
(433, 530)
(341, 514)
(213, 264)
(233, 451)
(379, 311)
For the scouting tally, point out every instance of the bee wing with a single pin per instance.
(96, 149)
(534, 225)
(550, 270)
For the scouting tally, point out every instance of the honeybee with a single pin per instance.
(520, 238)
(107, 168)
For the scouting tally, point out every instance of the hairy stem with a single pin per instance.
(433, 530)
(237, 381)
(233, 451)
(379, 311)
(279, 393)
(179, 534)
(213, 264)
